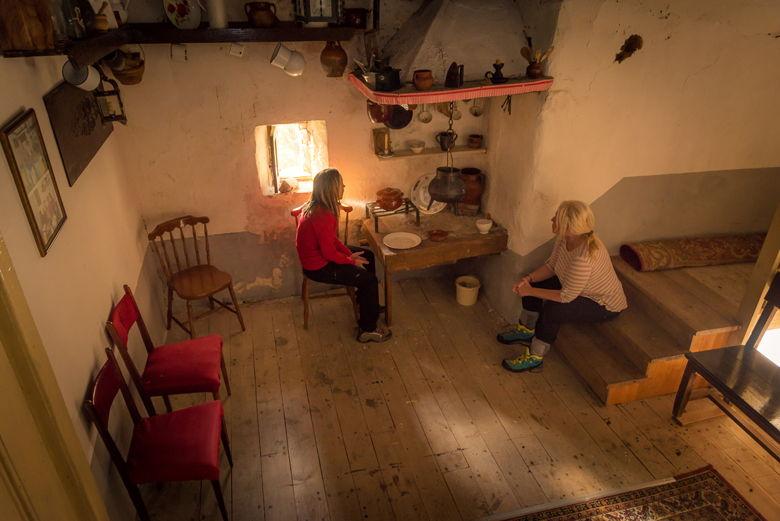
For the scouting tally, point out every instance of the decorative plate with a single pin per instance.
(401, 240)
(421, 198)
(184, 14)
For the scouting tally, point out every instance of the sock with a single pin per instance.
(539, 347)
(529, 318)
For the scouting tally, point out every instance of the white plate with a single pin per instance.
(421, 198)
(184, 14)
(401, 240)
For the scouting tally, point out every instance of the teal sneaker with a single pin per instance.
(517, 335)
(524, 362)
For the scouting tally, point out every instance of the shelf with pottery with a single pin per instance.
(408, 95)
(407, 153)
(90, 49)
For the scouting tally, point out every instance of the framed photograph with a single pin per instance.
(34, 178)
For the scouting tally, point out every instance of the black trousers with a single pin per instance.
(553, 314)
(363, 279)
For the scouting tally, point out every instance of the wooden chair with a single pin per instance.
(178, 446)
(191, 366)
(349, 291)
(185, 272)
(745, 377)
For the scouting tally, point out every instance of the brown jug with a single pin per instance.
(474, 180)
(333, 59)
(261, 14)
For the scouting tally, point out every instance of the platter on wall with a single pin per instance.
(421, 198)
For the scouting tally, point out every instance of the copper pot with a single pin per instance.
(389, 198)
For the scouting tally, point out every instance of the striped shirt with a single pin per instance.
(584, 276)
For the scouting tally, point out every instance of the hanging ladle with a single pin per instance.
(424, 116)
(475, 109)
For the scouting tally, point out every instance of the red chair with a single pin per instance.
(178, 446)
(191, 366)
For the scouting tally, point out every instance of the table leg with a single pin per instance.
(684, 391)
(388, 296)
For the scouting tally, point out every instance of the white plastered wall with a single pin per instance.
(701, 95)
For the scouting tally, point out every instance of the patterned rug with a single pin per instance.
(702, 495)
(691, 252)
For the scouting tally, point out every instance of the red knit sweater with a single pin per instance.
(317, 241)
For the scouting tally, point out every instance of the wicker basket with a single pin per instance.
(133, 70)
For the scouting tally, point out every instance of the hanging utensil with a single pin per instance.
(398, 117)
(476, 108)
(456, 115)
(424, 116)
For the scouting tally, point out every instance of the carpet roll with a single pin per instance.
(692, 251)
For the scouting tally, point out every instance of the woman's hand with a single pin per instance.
(523, 288)
(358, 259)
(525, 280)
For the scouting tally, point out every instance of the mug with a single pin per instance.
(447, 139)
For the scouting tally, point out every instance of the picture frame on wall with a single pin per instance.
(25, 151)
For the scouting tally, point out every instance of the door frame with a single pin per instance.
(52, 451)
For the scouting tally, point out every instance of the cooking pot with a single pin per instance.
(447, 186)
(398, 117)
(388, 79)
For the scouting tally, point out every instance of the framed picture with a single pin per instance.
(34, 178)
(78, 127)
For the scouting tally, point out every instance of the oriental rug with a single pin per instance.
(702, 495)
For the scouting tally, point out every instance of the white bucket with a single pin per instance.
(467, 290)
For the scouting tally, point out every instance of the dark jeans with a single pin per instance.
(553, 314)
(364, 279)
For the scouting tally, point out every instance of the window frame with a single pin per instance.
(272, 154)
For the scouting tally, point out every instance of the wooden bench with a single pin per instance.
(745, 377)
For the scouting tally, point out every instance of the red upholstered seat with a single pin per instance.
(190, 366)
(179, 446)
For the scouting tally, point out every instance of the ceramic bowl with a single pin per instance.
(484, 225)
(416, 145)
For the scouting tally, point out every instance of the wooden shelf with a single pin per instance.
(91, 49)
(406, 153)
(407, 95)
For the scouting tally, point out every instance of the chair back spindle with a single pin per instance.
(171, 242)
(296, 213)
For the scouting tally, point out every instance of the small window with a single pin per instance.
(295, 152)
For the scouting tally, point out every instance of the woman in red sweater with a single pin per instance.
(325, 258)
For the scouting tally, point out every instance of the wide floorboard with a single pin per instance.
(428, 426)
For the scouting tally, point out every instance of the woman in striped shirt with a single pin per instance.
(576, 284)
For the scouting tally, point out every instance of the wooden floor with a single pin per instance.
(429, 426)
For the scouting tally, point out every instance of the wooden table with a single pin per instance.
(463, 242)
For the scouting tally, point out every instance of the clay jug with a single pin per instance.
(261, 14)
(333, 59)
(474, 180)
(422, 79)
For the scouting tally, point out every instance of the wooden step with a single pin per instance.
(640, 338)
(601, 364)
(684, 306)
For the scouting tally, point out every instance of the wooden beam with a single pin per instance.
(766, 266)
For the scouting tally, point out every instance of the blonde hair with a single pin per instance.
(325, 192)
(576, 218)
